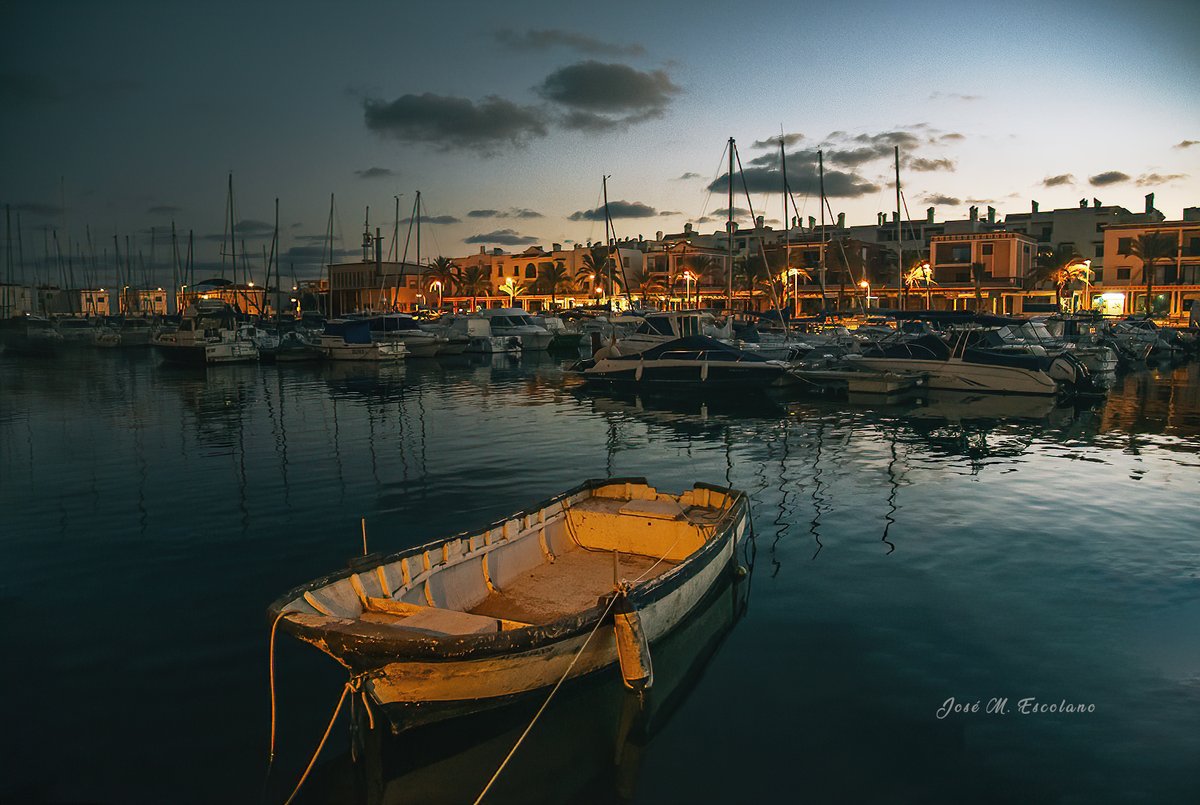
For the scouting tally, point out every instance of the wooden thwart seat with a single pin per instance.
(433, 620)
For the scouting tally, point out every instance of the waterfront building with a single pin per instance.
(1175, 283)
(985, 270)
(243, 297)
(15, 300)
(1079, 228)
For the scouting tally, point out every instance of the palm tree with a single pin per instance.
(844, 259)
(644, 283)
(552, 278)
(471, 280)
(442, 272)
(921, 272)
(513, 288)
(1150, 248)
(977, 270)
(1051, 267)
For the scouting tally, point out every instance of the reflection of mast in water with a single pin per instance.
(782, 519)
(818, 493)
(279, 429)
(337, 450)
(894, 488)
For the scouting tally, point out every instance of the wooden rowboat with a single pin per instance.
(586, 581)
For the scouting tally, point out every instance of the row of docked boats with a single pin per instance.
(1062, 356)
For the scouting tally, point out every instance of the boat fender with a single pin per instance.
(637, 373)
(704, 372)
(633, 647)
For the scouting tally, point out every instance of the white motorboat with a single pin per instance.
(350, 340)
(207, 334)
(513, 322)
(402, 328)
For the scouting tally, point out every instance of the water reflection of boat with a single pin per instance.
(576, 585)
(588, 745)
(687, 413)
(955, 406)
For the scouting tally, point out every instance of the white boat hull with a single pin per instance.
(958, 375)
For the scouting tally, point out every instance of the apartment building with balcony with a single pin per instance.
(1175, 283)
(1005, 260)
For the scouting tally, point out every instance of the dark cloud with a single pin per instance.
(616, 209)
(252, 226)
(981, 201)
(953, 135)
(856, 156)
(723, 212)
(954, 96)
(314, 254)
(705, 219)
(432, 219)
(802, 178)
(1108, 177)
(940, 200)
(164, 209)
(1187, 143)
(670, 212)
(1147, 179)
(35, 208)
(922, 164)
(455, 123)
(602, 97)
(553, 37)
(374, 173)
(891, 138)
(688, 175)
(1061, 179)
(504, 237)
(773, 142)
(513, 212)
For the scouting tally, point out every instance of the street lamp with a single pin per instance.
(867, 285)
(794, 273)
(437, 284)
(688, 277)
(1084, 269)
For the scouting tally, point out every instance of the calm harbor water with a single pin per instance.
(973, 549)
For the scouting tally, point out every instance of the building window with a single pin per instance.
(953, 253)
(1122, 273)
(1098, 275)
(1098, 248)
(1193, 248)
(987, 248)
(1125, 246)
(530, 272)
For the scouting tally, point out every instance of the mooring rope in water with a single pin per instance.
(554, 690)
(271, 675)
(349, 687)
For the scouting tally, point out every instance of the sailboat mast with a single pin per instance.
(821, 175)
(729, 234)
(899, 239)
(10, 289)
(787, 229)
(328, 264)
(174, 267)
(609, 239)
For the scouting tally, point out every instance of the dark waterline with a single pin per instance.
(905, 554)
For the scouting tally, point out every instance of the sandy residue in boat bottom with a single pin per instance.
(572, 583)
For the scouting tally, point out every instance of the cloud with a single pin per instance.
(669, 212)
(773, 142)
(504, 237)
(952, 135)
(602, 97)
(688, 175)
(1147, 179)
(705, 219)
(1187, 143)
(512, 212)
(941, 200)
(450, 123)
(314, 254)
(802, 178)
(954, 96)
(892, 138)
(554, 37)
(164, 209)
(432, 219)
(257, 227)
(35, 208)
(1060, 179)
(738, 212)
(1107, 178)
(616, 209)
(922, 164)
(374, 173)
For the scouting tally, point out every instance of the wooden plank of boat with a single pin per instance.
(469, 622)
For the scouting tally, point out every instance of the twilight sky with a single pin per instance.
(126, 116)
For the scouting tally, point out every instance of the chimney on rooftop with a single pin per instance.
(687, 229)
(896, 217)
(758, 222)
(1083, 203)
(658, 234)
(1096, 203)
(1191, 214)
(929, 215)
(878, 219)
(1149, 202)
(482, 249)
(841, 220)
(557, 247)
(991, 215)
(812, 222)
(974, 212)
(1034, 205)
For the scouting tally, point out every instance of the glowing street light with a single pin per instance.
(1082, 268)
(688, 277)
(438, 285)
(867, 285)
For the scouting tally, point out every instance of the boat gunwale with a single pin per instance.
(363, 646)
